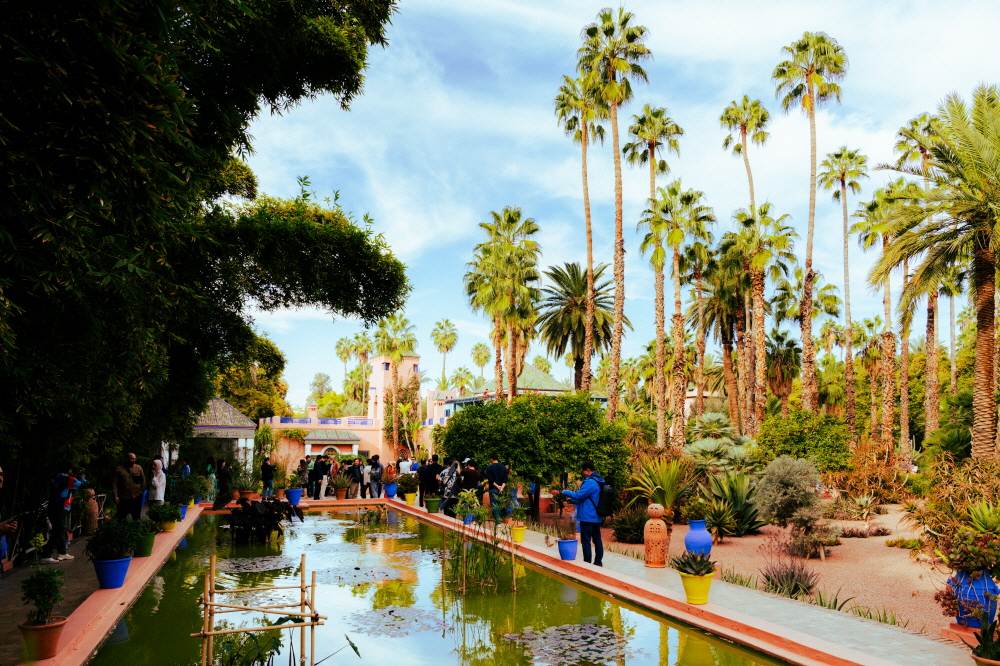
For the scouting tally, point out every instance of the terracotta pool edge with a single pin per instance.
(774, 640)
(97, 616)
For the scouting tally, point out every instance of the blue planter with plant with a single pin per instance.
(294, 495)
(976, 594)
(698, 540)
(567, 549)
(390, 490)
(111, 548)
(468, 520)
(111, 573)
(184, 511)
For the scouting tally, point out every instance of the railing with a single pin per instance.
(330, 421)
(427, 422)
(361, 422)
(292, 419)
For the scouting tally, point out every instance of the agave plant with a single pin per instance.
(719, 519)
(693, 564)
(738, 491)
(663, 482)
(985, 517)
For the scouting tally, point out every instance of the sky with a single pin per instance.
(456, 120)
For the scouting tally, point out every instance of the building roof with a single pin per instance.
(220, 419)
(331, 436)
(531, 379)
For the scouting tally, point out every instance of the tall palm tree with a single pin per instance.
(766, 245)
(344, 352)
(912, 152)
(461, 380)
(395, 339)
(480, 356)
(445, 337)
(362, 347)
(841, 172)
(868, 339)
(787, 299)
(502, 282)
(563, 311)
(697, 259)
(806, 80)
(542, 364)
(579, 108)
(784, 357)
(746, 121)
(952, 286)
(613, 49)
(954, 218)
(654, 131)
(720, 306)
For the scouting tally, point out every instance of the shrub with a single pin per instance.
(869, 474)
(850, 532)
(909, 544)
(114, 540)
(163, 513)
(719, 519)
(737, 489)
(789, 578)
(407, 484)
(811, 534)
(42, 588)
(630, 523)
(785, 487)
(954, 488)
(823, 439)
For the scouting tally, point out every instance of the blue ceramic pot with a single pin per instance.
(293, 495)
(468, 519)
(184, 511)
(567, 549)
(111, 573)
(197, 499)
(976, 592)
(390, 490)
(698, 539)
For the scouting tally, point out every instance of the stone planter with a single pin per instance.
(41, 641)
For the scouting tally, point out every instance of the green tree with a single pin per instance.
(480, 356)
(253, 384)
(445, 337)
(745, 120)
(655, 132)
(698, 257)
(579, 108)
(542, 363)
(319, 386)
(784, 359)
(344, 351)
(612, 50)
(362, 347)
(395, 339)
(807, 79)
(841, 172)
(822, 439)
(461, 380)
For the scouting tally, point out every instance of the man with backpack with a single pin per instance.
(375, 477)
(591, 500)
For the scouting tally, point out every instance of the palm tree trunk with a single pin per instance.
(511, 363)
(727, 371)
(619, 314)
(659, 378)
(498, 351)
(888, 364)
(578, 369)
(932, 403)
(742, 374)
(750, 406)
(849, 334)
(680, 385)
(953, 385)
(444, 366)
(699, 402)
(806, 307)
(588, 325)
(904, 382)
(784, 405)
(984, 420)
(395, 409)
(760, 369)
(873, 385)
(746, 163)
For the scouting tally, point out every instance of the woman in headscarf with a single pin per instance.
(157, 483)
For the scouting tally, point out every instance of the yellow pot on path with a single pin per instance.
(411, 498)
(517, 534)
(168, 526)
(191, 504)
(696, 587)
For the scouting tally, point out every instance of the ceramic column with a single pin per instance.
(655, 537)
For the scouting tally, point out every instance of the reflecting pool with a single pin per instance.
(387, 587)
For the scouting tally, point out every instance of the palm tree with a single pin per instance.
(579, 107)
(787, 302)
(954, 218)
(953, 285)
(445, 337)
(841, 171)
(563, 312)
(745, 120)
(541, 363)
(612, 50)
(344, 352)
(784, 358)
(362, 347)
(867, 338)
(912, 153)
(806, 80)
(765, 243)
(395, 339)
(461, 380)
(831, 393)
(722, 303)
(480, 356)
(697, 259)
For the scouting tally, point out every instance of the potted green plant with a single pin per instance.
(203, 488)
(389, 481)
(407, 487)
(147, 535)
(242, 481)
(696, 572)
(280, 484)
(986, 652)
(111, 548)
(42, 630)
(340, 485)
(518, 513)
(185, 489)
(566, 535)
(166, 516)
(433, 502)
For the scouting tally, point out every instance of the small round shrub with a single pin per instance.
(785, 487)
(823, 439)
(630, 523)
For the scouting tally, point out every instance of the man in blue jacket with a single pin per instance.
(586, 499)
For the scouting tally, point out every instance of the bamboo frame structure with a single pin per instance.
(305, 604)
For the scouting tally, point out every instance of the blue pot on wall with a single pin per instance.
(294, 495)
(975, 592)
(390, 490)
(567, 549)
(698, 539)
(184, 511)
(111, 573)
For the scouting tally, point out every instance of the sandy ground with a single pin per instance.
(874, 574)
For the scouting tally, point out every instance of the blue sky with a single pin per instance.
(457, 120)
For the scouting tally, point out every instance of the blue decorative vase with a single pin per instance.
(184, 511)
(111, 573)
(698, 540)
(567, 549)
(976, 592)
(293, 495)
(390, 490)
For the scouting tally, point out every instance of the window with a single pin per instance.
(447, 412)
(415, 367)
(385, 367)
(363, 455)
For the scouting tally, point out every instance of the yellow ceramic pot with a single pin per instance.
(696, 587)
(517, 533)
(411, 498)
(168, 526)
(191, 504)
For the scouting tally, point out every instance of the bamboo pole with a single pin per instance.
(244, 629)
(312, 628)
(209, 609)
(259, 589)
(260, 608)
(302, 608)
(204, 621)
(263, 609)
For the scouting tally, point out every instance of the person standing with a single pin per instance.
(127, 488)
(157, 483)
(320, 473)
(267, 476)
(225, 482)
(60, 502)
(366, 478)
(185, 468)
(356, 474)
(472, 478)
(428, 476)
(451, 483)
(586, 499)
(210, 473)
(7, 529)
(496, 483)
(375, 477)
(414, 466)
(163, 463)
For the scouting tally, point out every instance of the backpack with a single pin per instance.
(376, 473)
(605, 504)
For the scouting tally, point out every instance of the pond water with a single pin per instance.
(387, 588)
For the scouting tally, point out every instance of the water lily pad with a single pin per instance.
(395, 621)
(253, 564)
(355, 575)
(392, 535)
(569, 644)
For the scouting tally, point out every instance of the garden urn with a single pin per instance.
(654, 535)
(975, 592)
(698, 539)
